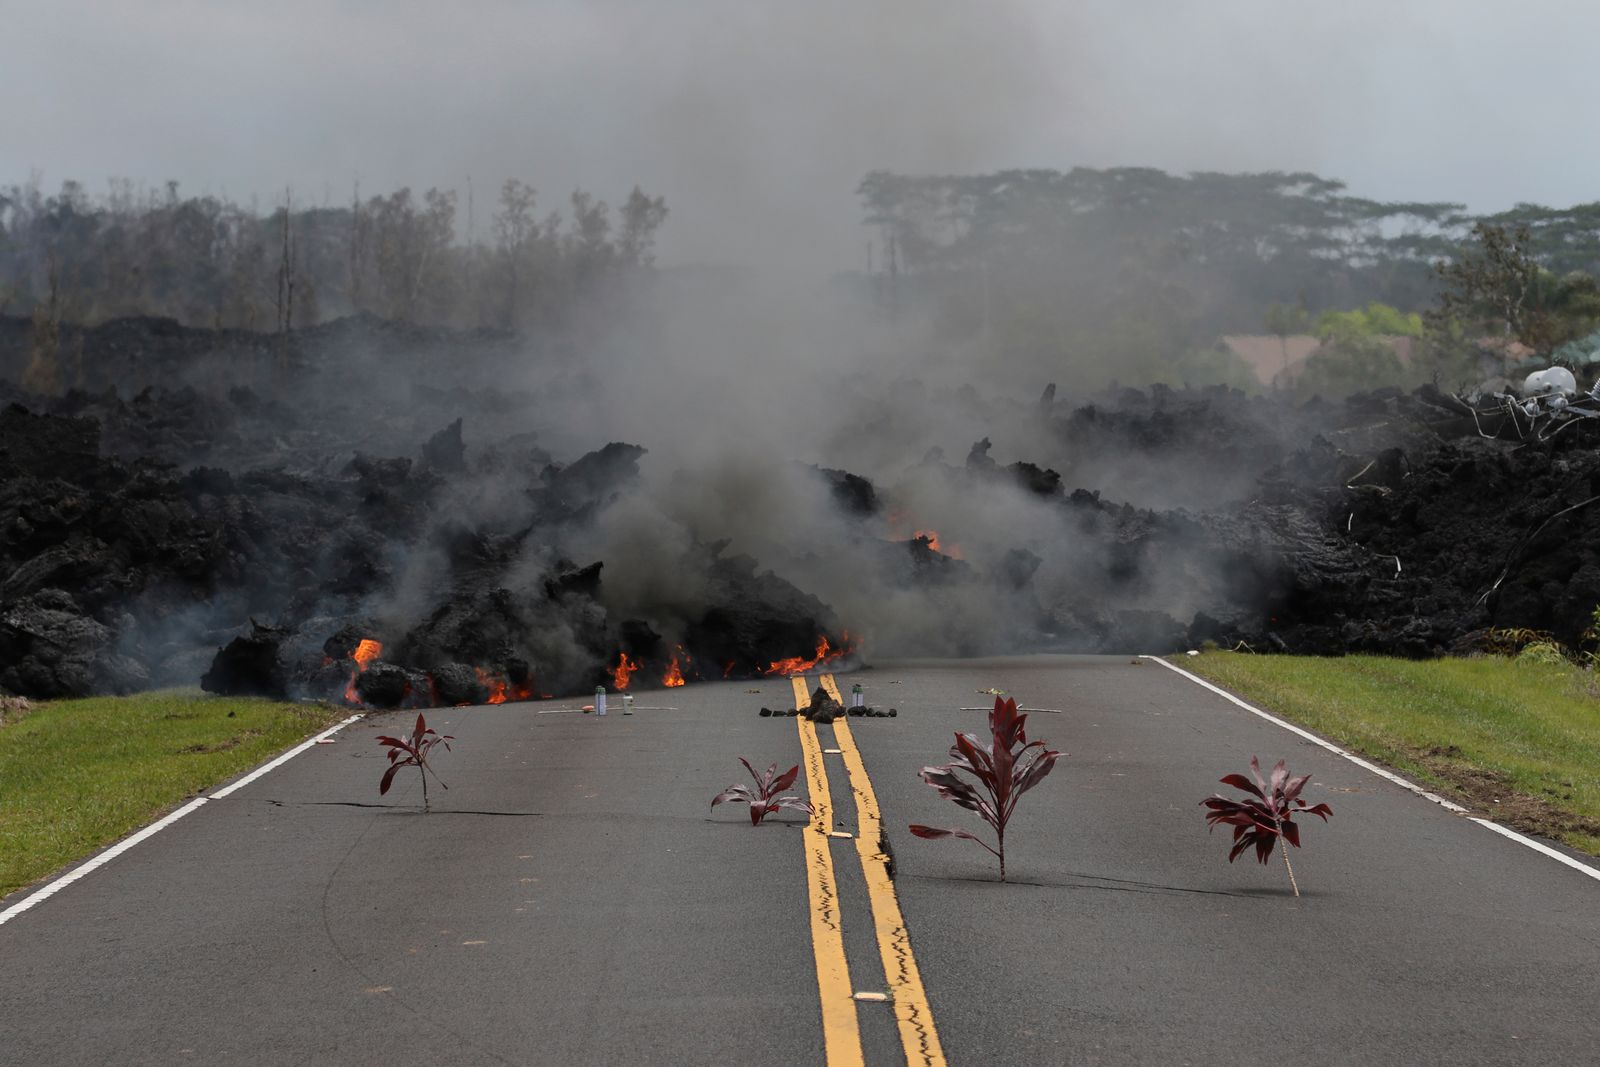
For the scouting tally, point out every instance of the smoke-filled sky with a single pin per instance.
(756, 120)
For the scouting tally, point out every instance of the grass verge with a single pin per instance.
(76, 775)
(1514, 740)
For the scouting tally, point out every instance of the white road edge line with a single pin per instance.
(285, 758)
(1538, 846)
(99, 861)
(87, 867)
(1404, 783)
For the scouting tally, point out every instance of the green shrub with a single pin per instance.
(1546, 652)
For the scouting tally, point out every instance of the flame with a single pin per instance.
(623, 670)
(826, 654)
(492, 682)
(727, 671)
(932, 540)
(501, 690)
(674, 675)
(364, 655)
(899, 522)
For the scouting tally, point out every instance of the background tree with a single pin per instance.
(641, 218)
(515, 229)
(1492, 285)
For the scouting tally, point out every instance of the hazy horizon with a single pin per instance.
(756, 122)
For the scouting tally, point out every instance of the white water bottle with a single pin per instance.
(627, 703)
(599, 700)
(855, 695)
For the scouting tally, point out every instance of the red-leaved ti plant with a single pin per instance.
(764, 798)
(413, 751)
(1266, 815)
(1005, 769)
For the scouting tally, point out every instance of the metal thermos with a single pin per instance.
(599, 700)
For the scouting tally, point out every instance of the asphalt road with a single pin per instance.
(571, 900)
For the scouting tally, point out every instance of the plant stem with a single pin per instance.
(1290, 868)
(425, 806)
(1283, 844)
(1001, 837)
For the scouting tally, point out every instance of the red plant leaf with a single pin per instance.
(1239, 781)
(412, 751)
(793, 802)
(952, 788)
(764, 799)
(934, 833)
(1003, 770)
(786, 779)
(1034, 773)
(970, 754)
(733, 792)
(1268, 812)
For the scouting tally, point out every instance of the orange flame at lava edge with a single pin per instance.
(502, 690)
(365, 655)
(826, 655)
(932, 538)
(623, 671)
(492, 682)
(674, 675)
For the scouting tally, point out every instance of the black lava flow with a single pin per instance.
(171, 525)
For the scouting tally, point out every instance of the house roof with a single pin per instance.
(1272, 358)
(1269, 355)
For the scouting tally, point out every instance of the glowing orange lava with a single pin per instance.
(826, 655)
(502, 690)
(623, 671)
(932, 540)
(365, 654)
(492, 682)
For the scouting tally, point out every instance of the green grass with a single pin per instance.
(76, 775)
(1486, 729)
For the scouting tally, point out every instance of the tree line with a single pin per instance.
(1134, 272)
(70, 256)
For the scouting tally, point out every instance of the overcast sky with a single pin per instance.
(757, 119)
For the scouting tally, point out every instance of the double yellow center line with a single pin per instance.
(840, 1027)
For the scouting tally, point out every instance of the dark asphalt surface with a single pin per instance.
(570, 900)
